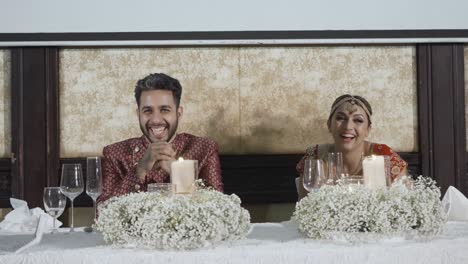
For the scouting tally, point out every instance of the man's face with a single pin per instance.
(349, 127)
(158, 115)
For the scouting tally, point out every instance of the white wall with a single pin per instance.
(70, 16)
(33, 16)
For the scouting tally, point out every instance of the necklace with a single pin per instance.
(357, 168)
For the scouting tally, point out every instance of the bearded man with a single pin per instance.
(130, 165)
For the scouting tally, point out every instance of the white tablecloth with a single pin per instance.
(267, 243)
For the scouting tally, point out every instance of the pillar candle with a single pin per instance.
(183, 175)
(374, 172)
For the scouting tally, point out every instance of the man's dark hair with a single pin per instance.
(159, 81)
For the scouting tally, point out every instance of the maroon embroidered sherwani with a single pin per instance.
(121, 159)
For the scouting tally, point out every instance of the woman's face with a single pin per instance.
(349, 127)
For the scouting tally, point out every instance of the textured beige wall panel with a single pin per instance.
(97, 104)
(250, 100)
(5, 104)
(286, 94)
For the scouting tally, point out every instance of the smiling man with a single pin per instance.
(132, 164)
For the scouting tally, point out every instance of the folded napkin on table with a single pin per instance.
(455, 205)
(22, 219)
(19, 243)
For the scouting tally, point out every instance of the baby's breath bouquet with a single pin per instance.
(357, 214)
(152, 220)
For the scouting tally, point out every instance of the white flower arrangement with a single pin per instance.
(155, 221)
(359, 214)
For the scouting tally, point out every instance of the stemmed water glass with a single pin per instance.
(54, 203)
(314, 174)
(71, 184)
(93, 179)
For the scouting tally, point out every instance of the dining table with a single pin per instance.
(267, 243)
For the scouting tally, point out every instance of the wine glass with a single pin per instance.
(314, 174)
(54, 203)
(71, 184)
(93, 179)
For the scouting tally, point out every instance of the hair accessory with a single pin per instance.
(352, 100)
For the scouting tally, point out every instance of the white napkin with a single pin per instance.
(19, 242)
(21, 219)
(41, 225)
(455, 205)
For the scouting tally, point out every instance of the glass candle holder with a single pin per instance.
(165, 189)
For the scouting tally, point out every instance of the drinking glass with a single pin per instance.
(335, 167)
(54, 203)
(93, 180)
(314, 174)
(71, 184)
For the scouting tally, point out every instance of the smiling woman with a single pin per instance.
(349, 124)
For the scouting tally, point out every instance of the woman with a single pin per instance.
(349, 123)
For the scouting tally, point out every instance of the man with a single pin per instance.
(129, 165)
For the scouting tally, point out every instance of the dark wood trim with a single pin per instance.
(414, 162)
(425, 124)
(235, 35)
(459, 110)
(256, 178)
(5, 182)
(441, 112)
(34, 122)
(17, 183)
(52, 115)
